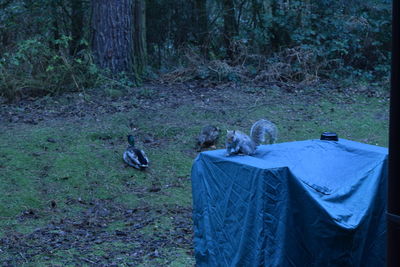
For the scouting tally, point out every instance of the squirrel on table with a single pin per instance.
(238, 142)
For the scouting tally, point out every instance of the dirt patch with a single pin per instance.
(91, 240)
(95, 104)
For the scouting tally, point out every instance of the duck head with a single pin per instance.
(131, 140)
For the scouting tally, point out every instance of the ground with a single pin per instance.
(67, 198)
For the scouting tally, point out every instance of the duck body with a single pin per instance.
(135, 157)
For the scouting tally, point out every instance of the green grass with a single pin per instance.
(82, 163)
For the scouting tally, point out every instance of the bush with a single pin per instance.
(37, 67)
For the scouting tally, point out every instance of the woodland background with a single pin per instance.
(51, 46)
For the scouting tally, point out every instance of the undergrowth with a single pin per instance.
(38, 67)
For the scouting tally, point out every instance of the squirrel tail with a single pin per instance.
(262, 128)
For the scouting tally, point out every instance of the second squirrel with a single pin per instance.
(238, 142)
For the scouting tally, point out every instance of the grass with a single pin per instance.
(69, 163)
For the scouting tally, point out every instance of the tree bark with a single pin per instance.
(112, 34)
(257, 11)
(55, 27)
(140, 38)
(230, 29)
(202, 25)
(76, 26)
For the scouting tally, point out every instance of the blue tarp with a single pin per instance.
(306, 203)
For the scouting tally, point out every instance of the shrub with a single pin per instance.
(37, 68)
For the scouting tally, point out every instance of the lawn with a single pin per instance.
(67, 198)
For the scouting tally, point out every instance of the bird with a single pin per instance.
(135, 157)
(208, 136)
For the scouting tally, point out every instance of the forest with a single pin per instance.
(78, 76)
(73, 47)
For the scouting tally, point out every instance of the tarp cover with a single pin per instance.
(306, 203)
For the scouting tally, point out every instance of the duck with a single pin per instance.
(208, 137)
(135, 157)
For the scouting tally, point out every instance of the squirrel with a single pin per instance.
(238, 142)
(208, 137)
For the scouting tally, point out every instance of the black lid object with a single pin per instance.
(329, 136)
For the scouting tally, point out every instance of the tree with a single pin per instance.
(140, 37)
(230, 27)
(113, 28)
(77, 24)
(202, 25)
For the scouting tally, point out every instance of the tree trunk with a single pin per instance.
(202, 25)
(229, 26)
(55, 28)
(112, 34)
(76, 26)
(140, 38)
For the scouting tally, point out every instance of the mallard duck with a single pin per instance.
(135, 157)
(207, 137)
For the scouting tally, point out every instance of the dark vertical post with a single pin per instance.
(393, 213)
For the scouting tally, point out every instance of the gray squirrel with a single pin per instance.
(208, 137)
(238, 142)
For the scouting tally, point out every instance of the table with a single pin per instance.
(304, 203)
